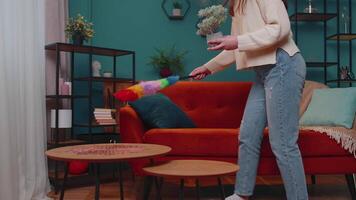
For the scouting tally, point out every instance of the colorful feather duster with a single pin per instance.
(145, 88)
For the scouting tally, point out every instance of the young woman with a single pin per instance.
(261, 40)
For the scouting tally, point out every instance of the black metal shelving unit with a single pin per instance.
(324, 18)
(339, 37)
(343, 37)
(90, 51)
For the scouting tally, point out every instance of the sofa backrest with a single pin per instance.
(211, 104)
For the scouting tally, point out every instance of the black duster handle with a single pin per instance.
(187, 77)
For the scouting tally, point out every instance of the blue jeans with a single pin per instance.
(274, 101)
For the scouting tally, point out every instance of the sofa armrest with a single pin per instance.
(131, 126)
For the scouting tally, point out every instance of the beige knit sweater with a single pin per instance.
(261, 30)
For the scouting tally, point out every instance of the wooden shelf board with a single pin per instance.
(98, 133)
(312, 17)
(104, 79)
(66, 47)
(343, 36)
(93, 125)
(320, 64)
(51, 174)
(176, 17)
(342, 81)
(66, 96)
(67, 142)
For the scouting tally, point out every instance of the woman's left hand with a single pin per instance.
(228, 42)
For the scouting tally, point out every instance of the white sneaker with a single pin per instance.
(233, 197)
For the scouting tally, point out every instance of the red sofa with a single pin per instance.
(217, 109)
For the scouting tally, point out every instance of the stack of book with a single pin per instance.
(103, 116)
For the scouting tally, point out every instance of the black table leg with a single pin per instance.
(313, 179)
(97, 180)
(114, 171)
(197, 187)
(148, 184)
(64, 181)
(351, 184)
(121, 182)
(221, 187)
(55, 183)
(158, 182)
(181, 190)
(161, 180)
(147, 187)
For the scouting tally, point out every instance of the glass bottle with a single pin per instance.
(310, 9)
(346, 19)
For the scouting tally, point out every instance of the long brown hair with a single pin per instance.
(241, 5)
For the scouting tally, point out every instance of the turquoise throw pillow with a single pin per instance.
(331, 107)
(158, 111)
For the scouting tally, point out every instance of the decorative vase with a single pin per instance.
(165, 72)
(213, 36)
(77, 39)
(346, 19)
(64, 88)
(177, 12)
(69, 85)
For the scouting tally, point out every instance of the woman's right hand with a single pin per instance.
(200, 73)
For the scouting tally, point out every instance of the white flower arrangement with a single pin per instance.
(212, 18)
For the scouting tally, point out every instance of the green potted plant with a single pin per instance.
(211, 18)
(79, 29)
(177, 9)
(168, 62)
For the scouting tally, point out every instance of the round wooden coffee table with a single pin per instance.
(181, 169)
(104, 153)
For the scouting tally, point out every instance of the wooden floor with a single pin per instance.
(268, 188)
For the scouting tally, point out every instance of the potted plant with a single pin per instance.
(168, 62)
(210, 20)
(79, 29)
(177, 9)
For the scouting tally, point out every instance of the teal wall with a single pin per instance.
(141, 26)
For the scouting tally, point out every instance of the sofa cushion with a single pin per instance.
(211, 104)
(158, 111)
(308, 90)
(331, 107)
(223, 142)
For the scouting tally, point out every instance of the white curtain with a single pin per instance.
(23, 171)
